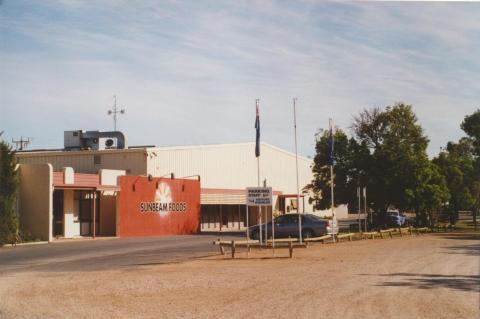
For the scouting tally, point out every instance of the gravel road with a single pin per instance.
(430, 276)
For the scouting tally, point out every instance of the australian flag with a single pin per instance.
(257, 128)
(330, 147)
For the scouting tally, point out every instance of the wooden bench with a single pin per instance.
(321, 238)
(405, 230)
(372, 234)
(422, 230)
(283, 240)
(249, 244)
(347, 235)
(387, 231)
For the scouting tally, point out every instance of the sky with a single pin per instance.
(188, 72)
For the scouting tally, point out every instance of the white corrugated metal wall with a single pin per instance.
(231, 166)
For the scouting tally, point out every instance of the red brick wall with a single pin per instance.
(161, 206)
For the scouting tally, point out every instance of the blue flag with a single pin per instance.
(257, 127)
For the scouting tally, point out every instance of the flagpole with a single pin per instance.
(257, 123)
(331, 180)
(296, 164)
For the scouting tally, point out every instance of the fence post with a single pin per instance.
(233, 249)
(290, 248)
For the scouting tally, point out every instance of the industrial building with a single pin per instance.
(66, 204)
(224, 171)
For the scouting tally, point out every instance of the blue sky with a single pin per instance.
(189, 72)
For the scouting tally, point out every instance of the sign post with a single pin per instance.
(259, 197)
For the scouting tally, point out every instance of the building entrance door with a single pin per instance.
(57, 213)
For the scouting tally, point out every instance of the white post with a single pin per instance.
(296, 163)
(359, 209)
(273, 233)
(266, 223)
(365, 203)
(248, 231)
(259, 212)
(331, 182)
(266, 215)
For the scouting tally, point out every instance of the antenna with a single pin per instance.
(21, 144)
(114, 111)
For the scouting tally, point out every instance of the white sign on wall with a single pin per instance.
(259, 196)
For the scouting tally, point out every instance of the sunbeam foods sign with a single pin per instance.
(163, 203)
(259, 196)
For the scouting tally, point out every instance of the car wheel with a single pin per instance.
(307, 233)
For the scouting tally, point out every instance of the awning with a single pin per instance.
(82, 182)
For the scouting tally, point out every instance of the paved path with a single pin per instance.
(107, 253)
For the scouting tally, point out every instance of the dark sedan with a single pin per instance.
(287, 226)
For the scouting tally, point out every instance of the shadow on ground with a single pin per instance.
(459, 235)
(431, 281)
(469, 250)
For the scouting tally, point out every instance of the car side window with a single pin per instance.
(294, 219)
(281, 219)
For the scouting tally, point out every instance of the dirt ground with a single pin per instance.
(430, 276)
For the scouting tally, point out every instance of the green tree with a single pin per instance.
(430, 195)
(8, 190)
(471, 126)
(387, 153)
(398, 161)
(456, 162)
(320, 186)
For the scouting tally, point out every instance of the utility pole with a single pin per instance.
(21, 144)
(114, 111)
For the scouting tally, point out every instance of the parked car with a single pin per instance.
(396, 219)
(287, 226)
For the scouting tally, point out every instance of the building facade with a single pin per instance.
(225, 170)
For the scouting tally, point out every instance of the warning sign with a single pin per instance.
(259, 196)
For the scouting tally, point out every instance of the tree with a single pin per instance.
(430, 195)
(456, 162)
(8, 190)
(321, 183)
(398, 159)
(387, 154)
(471, 126)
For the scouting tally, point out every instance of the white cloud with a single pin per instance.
(192, 71)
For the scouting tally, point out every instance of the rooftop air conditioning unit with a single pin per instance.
(106, 143)
(94, 140)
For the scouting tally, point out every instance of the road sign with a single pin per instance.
(259, 196)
